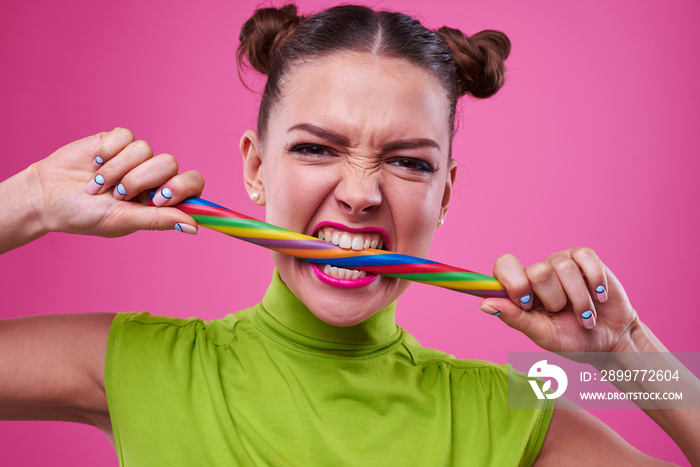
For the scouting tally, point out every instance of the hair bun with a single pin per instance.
(480, 60)
(262, 34)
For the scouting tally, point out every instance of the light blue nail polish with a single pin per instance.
(121, 190)
(99, 160)
(526, 299)
(178, 228)
(99, 179)
(600, 289)
(498, 313)
(166, 193)
(586, 314)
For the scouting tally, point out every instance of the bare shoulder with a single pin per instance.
(53, 368)
(576, 434)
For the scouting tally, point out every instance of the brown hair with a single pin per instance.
(275, 38)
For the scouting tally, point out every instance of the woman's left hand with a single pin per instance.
(570, 302)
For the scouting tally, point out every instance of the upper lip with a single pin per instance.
(382, 232)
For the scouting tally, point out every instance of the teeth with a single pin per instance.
(342, 273)
(357, 243)
(356, 240)
(345, 240)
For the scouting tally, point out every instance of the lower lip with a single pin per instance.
(342, 283)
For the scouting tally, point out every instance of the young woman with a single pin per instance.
(353, 145)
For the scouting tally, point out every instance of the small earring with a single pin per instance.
(440, 222)
(254, 196)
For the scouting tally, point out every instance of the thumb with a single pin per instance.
(159, 218)
(527, 322)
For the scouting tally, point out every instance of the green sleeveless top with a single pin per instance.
(274, 385)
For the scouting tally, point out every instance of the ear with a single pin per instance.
(253, 166)
(449, 184)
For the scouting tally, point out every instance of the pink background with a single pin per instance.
(593, 141)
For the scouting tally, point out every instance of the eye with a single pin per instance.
(310, 149)
(416, 165)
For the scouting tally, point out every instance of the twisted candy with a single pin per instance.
(319, 251)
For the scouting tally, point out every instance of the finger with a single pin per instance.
(111, 144)
(179, 188)
(594, 271)
(510, 272)
(141, 217)
(533, 324)
(546, 286)
(117, 167)
(146, 175)
(575, 287)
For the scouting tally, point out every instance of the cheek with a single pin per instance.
(293, 194)
(416, 212)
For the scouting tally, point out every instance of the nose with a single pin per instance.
(358, 193)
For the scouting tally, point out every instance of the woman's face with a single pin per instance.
(356, 150)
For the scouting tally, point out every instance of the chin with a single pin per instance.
(342, 307)
(342, 317)
(336, 304)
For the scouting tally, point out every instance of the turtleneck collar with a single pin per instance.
(286, 315)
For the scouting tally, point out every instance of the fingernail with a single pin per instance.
(97, 163)
(119, 192)
(162, 197)
(601, 293)
(490, 310)
(185, 228)
(95, 184)
(588, 319)
(526, 302)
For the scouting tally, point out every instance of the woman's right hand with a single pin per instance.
(52, 367)
(99, 185)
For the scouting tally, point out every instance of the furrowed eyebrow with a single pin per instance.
(332, 136)
(411, 144)
(342, 140)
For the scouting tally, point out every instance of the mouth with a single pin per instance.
(349, 239)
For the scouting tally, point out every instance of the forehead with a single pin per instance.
(361, 94)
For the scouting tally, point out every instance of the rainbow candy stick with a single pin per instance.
(315, 250)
